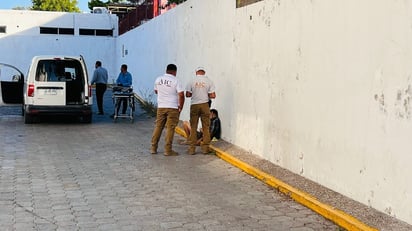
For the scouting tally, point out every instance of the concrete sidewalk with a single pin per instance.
(342, 210)
(60, 174)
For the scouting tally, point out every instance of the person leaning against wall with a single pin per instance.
(170, 101)
(201, 89)
(100, 77)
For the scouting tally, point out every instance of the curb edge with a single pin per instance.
(337, 216)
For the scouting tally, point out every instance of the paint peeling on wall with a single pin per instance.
(403, 106)
(380, 98)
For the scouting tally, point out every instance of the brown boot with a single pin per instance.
(153, 150)
(207, 151)
(171, 153)
(191, 151)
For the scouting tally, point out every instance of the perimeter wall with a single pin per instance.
(320, 87)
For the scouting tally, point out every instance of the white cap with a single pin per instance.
(200, 69)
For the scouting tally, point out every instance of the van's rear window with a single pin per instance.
(58, 71)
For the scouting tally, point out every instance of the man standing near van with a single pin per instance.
(100, 77)
(201, 89)
(170, 101)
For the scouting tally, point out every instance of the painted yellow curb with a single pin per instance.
(337, 216)
(180, 131)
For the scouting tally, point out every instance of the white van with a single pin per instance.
(55, 85)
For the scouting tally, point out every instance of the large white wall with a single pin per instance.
(322, 88)
(23, 40)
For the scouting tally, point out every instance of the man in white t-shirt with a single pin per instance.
(201, 89)
(170, 101)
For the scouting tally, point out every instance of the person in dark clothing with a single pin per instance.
(215, 128)
(100, 77)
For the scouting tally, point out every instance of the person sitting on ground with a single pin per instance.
(215, 129)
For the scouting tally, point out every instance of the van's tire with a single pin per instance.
(87, 119)
(28, 119)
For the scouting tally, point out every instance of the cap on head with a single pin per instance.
(200, 69)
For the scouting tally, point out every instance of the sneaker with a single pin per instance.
(171, 153)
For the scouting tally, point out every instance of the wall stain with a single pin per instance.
(381, 100)
(403, 107)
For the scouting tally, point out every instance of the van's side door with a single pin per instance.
(11, 85)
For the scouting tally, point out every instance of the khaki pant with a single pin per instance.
(201, 111)
(170, 118)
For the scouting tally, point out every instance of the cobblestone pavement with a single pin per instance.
(63, 175)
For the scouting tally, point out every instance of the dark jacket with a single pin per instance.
(215, 129)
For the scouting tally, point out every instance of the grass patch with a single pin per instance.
(147, 102)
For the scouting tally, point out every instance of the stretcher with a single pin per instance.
(120, 94)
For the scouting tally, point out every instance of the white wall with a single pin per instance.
(322, 88)
(23, 40)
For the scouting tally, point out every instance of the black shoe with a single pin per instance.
(100, 113)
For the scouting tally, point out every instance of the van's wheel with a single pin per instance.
(87, 119)
(28, 119)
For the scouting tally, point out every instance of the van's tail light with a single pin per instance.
(30, 91)
(90, 90)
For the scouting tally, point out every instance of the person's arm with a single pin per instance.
(212, 95)
(181, 96)
(94, 77)
(212, 90)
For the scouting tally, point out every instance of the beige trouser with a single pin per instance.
(170, 118)
(201, 111)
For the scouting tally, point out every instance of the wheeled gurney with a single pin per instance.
(123, 93)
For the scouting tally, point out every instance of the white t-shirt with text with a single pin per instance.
(168, 87)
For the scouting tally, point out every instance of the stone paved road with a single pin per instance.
(64, 175)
